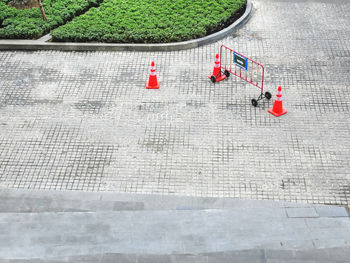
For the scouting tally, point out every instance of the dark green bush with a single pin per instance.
(144, 21)
(29, 24)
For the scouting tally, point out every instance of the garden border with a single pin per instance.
(78, 46)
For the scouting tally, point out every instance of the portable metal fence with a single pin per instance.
(244, 68)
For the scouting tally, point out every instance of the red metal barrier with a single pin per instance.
(244, 68)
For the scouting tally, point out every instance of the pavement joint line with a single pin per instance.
(347, 208)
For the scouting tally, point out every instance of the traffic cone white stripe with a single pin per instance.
(153, 71)
(217, 62)
(279, 96)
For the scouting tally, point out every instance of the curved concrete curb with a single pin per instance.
(68, 46)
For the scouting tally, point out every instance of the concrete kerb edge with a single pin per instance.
(68, 46)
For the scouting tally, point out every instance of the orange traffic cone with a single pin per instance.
(217, 76)
(277, 108)
(152, 82)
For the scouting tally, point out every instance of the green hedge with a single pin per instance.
(29, 24)
(146, 21)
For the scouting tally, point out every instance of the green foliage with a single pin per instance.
(29, 24)
(121, 21)
(144, 21)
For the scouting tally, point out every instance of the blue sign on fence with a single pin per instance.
(240, 61)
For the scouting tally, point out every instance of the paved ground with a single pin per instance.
(83, 120)
(71, 226)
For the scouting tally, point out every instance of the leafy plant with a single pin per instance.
(143, 21)
(28, 23)
(119, 21)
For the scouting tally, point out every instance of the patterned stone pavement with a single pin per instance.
(84, 120)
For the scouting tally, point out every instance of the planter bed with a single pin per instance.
(143, 21)
(29, 24)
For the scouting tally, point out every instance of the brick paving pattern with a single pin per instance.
(84, 120)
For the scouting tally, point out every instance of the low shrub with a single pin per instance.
(144, 21)
(28, 23)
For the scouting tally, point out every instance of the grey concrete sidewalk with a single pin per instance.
(43, 235)
(37, 201)
(50, 226)
(84, 120)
